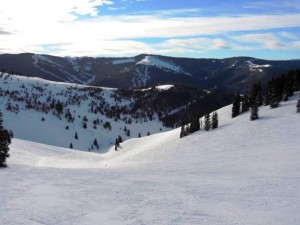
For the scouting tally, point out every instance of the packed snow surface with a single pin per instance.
(244, 172)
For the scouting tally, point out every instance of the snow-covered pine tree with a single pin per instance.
(5, 141)
(207, 122)
(215, 120)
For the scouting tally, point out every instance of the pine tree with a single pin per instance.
(236, 105)
(5, 141)
(96, 143)
(298, 106)
(194, 125)
(71, 146)
(285, 95)
(182, 132)
(274, 98)
(139, 135)
(215, 120)
(117, 144)
(120, 139)
(245, 103)
(76, 136)
(254, 111)
(259, 95)
(59, 107)
(207, 123)
(11, 134)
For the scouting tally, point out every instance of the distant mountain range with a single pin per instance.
(231, 74)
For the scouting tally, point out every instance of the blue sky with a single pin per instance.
(191, 28)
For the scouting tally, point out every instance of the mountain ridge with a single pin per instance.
(145, 70)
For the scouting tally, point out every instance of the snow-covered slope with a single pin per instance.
(25, 104)
(244, 172)
(162, 64)
(77, 74)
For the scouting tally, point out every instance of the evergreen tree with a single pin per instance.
(285, 95)
(182, 132)
(259, 95)
(76, 136)
(5, 141)
(96, 143)
(194, 125)
(245, 103)
(215, 120)
(289, 86)
(298, 106)
(256, 95)
(139, 135)
(117, 144)
(207, 123)
(59, 107)
(236, 105)
(254, 111)
(120, 140)
(84, 125)
(11, 134)
(71, 146)
(274, 98)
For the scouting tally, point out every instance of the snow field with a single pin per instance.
(244, 172)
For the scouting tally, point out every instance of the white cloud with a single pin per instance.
(266, 40)
(35, 23)
(113, 8)
(289, 35)
(255, 38)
